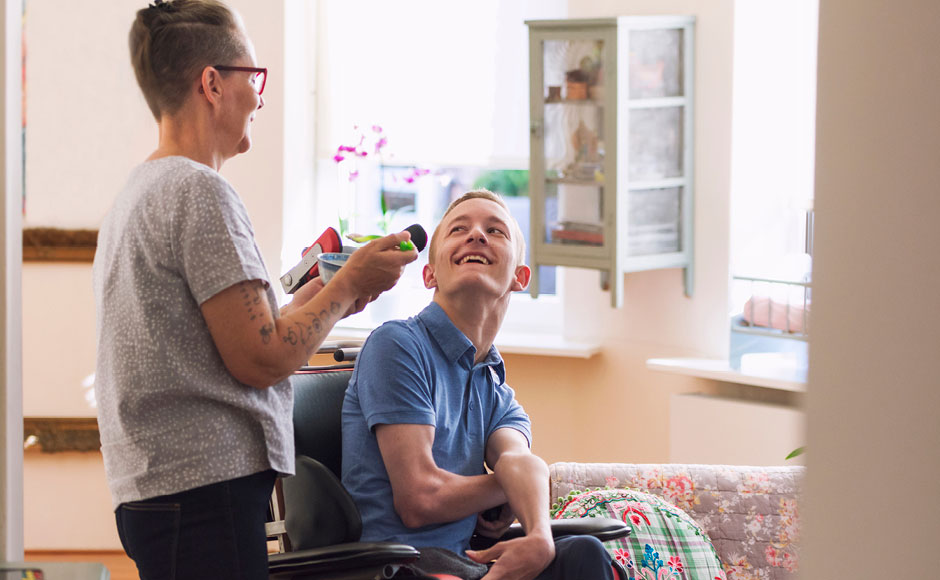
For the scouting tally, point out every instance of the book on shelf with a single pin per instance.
(578, 233)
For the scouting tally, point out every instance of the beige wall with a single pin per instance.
(88, 124)
(872, 508)
(87, 127)
(613, 401)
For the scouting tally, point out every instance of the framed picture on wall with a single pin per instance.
(59, 245)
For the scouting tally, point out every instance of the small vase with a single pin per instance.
(348, 207)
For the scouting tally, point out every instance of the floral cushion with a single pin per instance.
(664, 543)
(751, 514)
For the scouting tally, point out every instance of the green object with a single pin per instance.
(405, 246)
(360, 239)
(796, 452)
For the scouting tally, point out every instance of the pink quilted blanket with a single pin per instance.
(769, 313)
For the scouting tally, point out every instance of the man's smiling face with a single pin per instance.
(475, 248)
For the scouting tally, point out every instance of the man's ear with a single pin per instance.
(521, 279)
(210, 84)
(429, 280)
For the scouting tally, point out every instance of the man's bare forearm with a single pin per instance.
(524, 479)
(447, 499)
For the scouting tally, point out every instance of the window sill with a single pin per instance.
(507, 343)
(720, 370)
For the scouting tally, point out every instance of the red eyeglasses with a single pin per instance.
(257, 80)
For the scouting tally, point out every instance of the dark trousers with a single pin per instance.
(215, 531)
(578, 558)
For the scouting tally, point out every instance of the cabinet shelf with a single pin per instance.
(578, 102)
(573, 181)
(657, 103)
(634, 134)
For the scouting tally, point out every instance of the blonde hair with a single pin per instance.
(515, 231)
(172, 41)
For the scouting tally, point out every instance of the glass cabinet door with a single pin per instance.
(573, 142)
(656, 144)
(611, 169)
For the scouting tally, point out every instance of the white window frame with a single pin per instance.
(325, 107)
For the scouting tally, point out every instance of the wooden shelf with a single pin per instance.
(575, 102)
(572, 181)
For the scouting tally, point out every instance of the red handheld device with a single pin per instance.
(308, 268)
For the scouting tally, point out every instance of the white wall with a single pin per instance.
(872, 508)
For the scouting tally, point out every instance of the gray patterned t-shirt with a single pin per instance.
(171, 416)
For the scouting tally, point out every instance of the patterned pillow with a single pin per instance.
(664, 544)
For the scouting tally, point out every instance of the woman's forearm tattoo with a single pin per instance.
(254, 299)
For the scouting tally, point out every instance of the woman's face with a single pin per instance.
(240, 108)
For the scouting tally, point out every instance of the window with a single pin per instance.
(773, 153)
(448, 86)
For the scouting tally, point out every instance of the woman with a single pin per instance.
(194, 359)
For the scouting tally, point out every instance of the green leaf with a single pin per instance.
(796, 452)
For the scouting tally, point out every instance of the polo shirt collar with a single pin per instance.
(454, 343)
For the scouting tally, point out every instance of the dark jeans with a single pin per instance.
(215, 531)
(578, 558)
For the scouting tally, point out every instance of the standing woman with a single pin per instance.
(194, 358)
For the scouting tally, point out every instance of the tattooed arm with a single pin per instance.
(261, 350)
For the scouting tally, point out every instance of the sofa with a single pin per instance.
(751, 514)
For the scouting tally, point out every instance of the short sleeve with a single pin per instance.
(393, 382)
(212, 237)
(507, 412)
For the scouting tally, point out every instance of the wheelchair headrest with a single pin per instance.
(318, 405)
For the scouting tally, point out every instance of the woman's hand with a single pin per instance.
(375, 268)
(303, 295)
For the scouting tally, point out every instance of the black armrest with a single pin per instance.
(368, 559)
(603, 529)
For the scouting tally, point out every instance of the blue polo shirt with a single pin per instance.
(421, 371)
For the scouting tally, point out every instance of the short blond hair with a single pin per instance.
(515, 231)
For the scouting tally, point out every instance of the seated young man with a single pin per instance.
(428, 404)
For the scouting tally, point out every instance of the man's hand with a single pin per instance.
(495, 528)
(517, 559)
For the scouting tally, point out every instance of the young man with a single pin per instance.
(428, 404)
